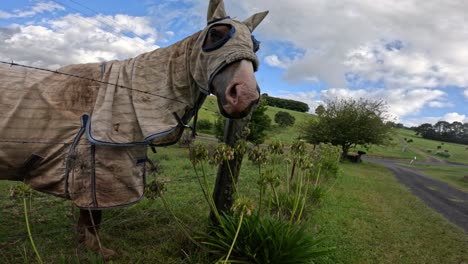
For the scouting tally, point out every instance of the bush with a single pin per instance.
(286, 103)
(443, 154)
(284, 119)
(204, 125)
(262, 240)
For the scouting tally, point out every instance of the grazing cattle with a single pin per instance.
(82, 132)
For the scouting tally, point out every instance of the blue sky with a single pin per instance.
(412, 54)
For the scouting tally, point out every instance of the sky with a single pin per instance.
(411, 54)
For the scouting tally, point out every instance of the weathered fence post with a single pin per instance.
(234, 130)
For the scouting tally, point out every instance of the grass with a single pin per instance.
(458, 152)
(285, 134)
(371, 218)
(395, 150)
(452, 175)
(368, 215)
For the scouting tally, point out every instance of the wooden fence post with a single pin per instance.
(234, 130)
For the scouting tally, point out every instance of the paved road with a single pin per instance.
(442, 197)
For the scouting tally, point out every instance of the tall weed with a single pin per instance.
(269, 230)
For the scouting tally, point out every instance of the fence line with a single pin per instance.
(12, 63)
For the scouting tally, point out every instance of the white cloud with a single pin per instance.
(274, 61)
(77, 39)
(449, 117)
(38, 8)
(465, 92)
(431, 53)
(440, 104)
(452, 117)
(310, 98)
(400, 102)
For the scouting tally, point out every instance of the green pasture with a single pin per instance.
(458, 152)
(372, 218)
(396, 149)
(284, 134)
(365, 213)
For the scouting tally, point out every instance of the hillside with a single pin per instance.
(407, 145)
(209, 112)
(399, 148)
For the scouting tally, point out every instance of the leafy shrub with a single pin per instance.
(428, 151)
(268, 229)
(285, 103)
(204, 125)
(327, 157)
(219, 127)
(443, 154)
(284, 119)
(317, 194)
(261, 240)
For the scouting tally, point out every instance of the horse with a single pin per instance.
(82, 132)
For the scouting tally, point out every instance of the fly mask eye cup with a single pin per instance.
(223, 42)
(217, 36)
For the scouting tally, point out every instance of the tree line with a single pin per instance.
(285, 103)
(455, 132)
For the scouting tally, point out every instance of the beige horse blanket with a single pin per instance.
(87, 140)
(83, 133)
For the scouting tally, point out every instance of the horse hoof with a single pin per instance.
(91, 242)
(107, 253)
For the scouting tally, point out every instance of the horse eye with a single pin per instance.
(216, 35)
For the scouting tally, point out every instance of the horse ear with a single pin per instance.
(253, 21)
(216, 10)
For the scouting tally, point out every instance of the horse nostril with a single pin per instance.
(233, 92)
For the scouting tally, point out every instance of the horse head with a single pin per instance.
(225, 62)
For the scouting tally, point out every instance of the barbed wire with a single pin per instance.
(41, 141)
(12, 63)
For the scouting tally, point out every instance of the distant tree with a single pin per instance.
(204, 125)
(219, 127)
(347, 123)
(284, 119)
(319, 110)
(286, 103)
(424, 130)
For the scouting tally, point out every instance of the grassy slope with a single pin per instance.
(286, 135)
(458, 152)
(374, 219)
(418, 148)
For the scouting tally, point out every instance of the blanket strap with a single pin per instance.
(71, 152)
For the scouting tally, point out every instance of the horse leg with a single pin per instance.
(88, 226)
